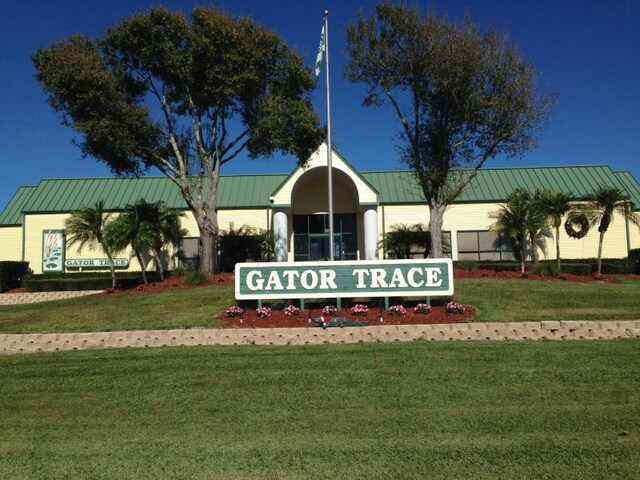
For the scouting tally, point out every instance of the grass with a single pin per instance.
(521, 300)
(195, 307)
(496, 299)
(526, 410)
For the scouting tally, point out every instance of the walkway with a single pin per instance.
(30, 343)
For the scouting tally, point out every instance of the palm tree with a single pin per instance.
(164, 225)
(87, 227)
(130, 229)
(555, 205)
(513, 219)
(402, 238)
(147, 227)
(601, 207)
(537, 225)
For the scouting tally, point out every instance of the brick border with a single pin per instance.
(550, 330)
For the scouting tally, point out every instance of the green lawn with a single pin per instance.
(481, 410)
(196, 307)
(497, 300)
(520, 300)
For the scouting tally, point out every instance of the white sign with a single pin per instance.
(95, 262)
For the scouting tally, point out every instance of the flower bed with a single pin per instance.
(278, 319)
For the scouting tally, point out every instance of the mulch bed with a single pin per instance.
(565, 277)
(279, 320)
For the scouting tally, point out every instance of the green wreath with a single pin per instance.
(581, 221)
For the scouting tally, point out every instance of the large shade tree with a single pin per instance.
(87, 227)
(183, 95)
(462, 96)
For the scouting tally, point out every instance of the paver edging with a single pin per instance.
(544, 330)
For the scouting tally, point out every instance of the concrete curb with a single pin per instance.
(549, 330)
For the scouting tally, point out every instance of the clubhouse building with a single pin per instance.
(367, 205)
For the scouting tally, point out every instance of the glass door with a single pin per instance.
(319, 247)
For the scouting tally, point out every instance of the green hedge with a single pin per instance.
(634, 260)
(11, 274)
(500, 266)
(50, 282)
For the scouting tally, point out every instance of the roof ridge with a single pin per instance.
(521, 167)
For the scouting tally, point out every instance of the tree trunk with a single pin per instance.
(141, 262)
(558, 249)
(534, 249)
(209, 243)
(157, 258)
(436, 212)
(112, 269)
(600, 252)
(522, 254)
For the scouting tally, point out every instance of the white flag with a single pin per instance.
(320, 52)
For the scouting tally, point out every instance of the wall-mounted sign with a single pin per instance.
(371, 278)
(53, 247)
(95, 263)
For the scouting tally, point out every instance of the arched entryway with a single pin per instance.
(310, 219)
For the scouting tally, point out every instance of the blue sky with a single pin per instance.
(586, 51)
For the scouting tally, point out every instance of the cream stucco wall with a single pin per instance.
(11, 244)
(457, 218)
(475, 216)
(634, 234)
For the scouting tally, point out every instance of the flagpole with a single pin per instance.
(329, 148)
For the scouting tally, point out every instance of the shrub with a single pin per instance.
(612, 266)
(577, 268)
(454, 307)
(329, 310)
(291, 311)
(500, 267)
(634, 260)
(422, 308)
(11, 274)
(359, 310)
(397, 310)
(545, 269)
(263, 312)
(196, 277)
(468, 265)
(65, 281)
(234, 311)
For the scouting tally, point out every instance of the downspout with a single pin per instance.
(24, 225)
(626, 224)
(384, 236)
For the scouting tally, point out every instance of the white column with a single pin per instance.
(371, 233)
(280, 235)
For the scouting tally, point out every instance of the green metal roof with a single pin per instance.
(253, 191)
(494, 184)
(631, 186)
(68, 194)
(12, 214)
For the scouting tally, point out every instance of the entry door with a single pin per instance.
(319, 247)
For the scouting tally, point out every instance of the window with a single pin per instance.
(189, 252)
(484, 245)
(413, 246)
